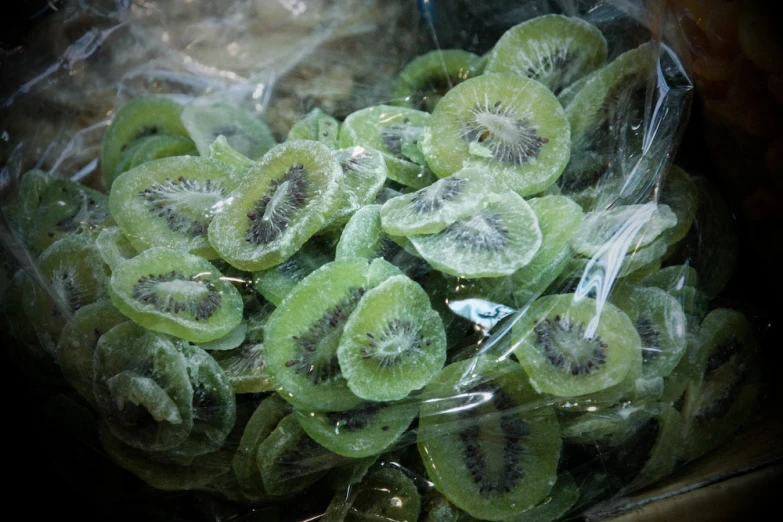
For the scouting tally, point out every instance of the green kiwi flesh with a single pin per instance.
(316, 126)
(248, 135)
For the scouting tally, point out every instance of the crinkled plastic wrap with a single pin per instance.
(505, 312)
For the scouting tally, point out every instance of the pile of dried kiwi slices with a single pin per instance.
(257, 319)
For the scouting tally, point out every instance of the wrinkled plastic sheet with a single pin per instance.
(279, 59)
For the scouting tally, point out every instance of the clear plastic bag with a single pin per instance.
(582, 359)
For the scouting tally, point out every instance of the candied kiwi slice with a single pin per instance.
(220, 150)
(393, 342)
(363, 431)
(282, 201)
(364, 171)
(261, 424)
(142, 388)
(385, 494)
(555, 50)
(423, 82)
(277, 282)
(157, 147)
(302, 336)
(395, 132)
(679, 192)
(290, 461)
(114, 247)
(146, 116)
(246, 134)
(170, 202)
(564, 495)
(177, 293)
(76, 346)
(245, 368)
(76, 276)
(316, 126)
(511, 125)
(485, 442)
(496, 241)
(571, 346)
(433, 208)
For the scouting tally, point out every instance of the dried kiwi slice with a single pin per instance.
(564, 494)
(277, 282)
(556, 50)
(498, 240)
(283, 200)
(248, 135)
(77, 343)
(485, 442)
(679, 192)
(363, 431)
(76, 276)
(157, 147)
(290, 461)
(220, 150)
(146, 116)
(170, 202)
(142, 388)
(395, 132)
(511, 125)
(31, 190)
(114, 247)
(245, 368)
(393, 342)
(364, 172)
(423, 82)
(571, 346)
(384, 494)
(177, 293)
(316, 126)
(433, 208)
(302, 336)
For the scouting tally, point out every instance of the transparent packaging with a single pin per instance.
(368, 260)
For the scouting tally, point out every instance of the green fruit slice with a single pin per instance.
(487, 446)
(277, 282)
(672, 278)
(157, 147)
(556, 50)
(233, 339)
(395, 132)
(393, 342)
(433, 208)
(560, 500)
(423, 82)
(170, 202)
(365, 173)
(248, 135)
(245, 368)
(142, 388)
(31, 190)
(363, 431)
(510, 125)
(568, 94)
(264, 420)
(220, 150)
(499, 240)
(385, 494)
(177, 293)
(146, 116)
(572, 346)
(114, 247)
(316, 126)
(680, 193)
(436, 508)
(283, 200)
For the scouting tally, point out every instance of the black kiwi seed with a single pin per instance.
(514, 431)
(201, 308)
(62, 283)
(269, 218)
(521, 142)
(309, 361)
(650, 336)
(557, 62)
(357, 419)
(162, 198)
(548, 331)
(401, 333)
(352, 163)
(483, 231)
(425, 202)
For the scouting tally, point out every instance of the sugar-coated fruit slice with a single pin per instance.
(571, 345)
(245, 133)
(76, 346)
(282, 201)
(498, 240)
(222, 151)
(177, 293)
(142, 388)
(316, 126)
(433, 208)
(231, 340)
(145, 116)
(302, 336)
(554, 49)
(395, 132)
(245, 368)
(511, 125)
(423, 82)
(359, 432)
(625, 227)
(393, 342)
(157, 147)
(290, 461)
(114, 247)
(261, 424)
(567, 95)
(170, 202)
(485, 441)
(364, 172)
(277, 282)
(679, 192)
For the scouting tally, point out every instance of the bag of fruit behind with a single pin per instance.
(363, 260)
